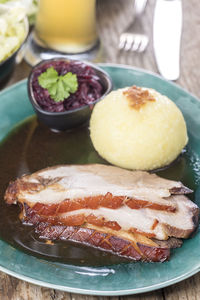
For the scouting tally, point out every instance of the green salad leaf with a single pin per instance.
(59, 87)
(12, 29)
(30, 6)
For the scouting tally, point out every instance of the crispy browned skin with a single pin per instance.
(103, 241)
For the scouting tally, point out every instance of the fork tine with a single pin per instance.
(129, 42)
(122, 42)
(133, 42)
(144, 44)
(136, 42)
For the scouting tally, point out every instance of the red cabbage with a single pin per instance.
(89, 86)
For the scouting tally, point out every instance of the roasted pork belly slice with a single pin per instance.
(149, 222)
(131, 201)
(135, 247)
(55, 184)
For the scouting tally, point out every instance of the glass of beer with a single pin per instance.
(64, 28)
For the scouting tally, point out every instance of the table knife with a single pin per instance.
(167, 28)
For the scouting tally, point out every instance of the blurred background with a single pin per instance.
(114, 16)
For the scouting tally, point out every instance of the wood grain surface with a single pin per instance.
(113, 17)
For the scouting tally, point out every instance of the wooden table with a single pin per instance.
(113, 16)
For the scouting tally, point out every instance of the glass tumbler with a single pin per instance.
(64, 28)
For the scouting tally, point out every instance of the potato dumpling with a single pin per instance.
(138, 128)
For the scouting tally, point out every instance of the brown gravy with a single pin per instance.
(30, 147)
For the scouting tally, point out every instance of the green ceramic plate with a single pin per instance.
(121, 279)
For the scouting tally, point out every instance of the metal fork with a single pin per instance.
(137, 42)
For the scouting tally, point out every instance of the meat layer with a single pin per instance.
(113, 197)
(132, 214)
(55, 184)
(105, 241)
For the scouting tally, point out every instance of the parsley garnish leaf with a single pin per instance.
(70, 81)
(59, 87)
(48, 78)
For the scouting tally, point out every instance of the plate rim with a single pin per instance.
(96, 292)
(100, 292)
